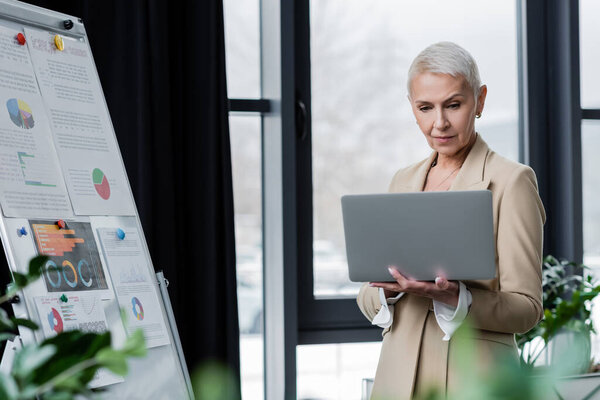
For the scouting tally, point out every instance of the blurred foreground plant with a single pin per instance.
(62, 366)
(567, 308)
(214, 380)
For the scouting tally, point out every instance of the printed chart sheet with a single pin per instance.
(83, 134)
(31, 181)
(83, 312)
(73, 260)
(134, 285)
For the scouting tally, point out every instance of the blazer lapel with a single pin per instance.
(417, 181)
(471, 175)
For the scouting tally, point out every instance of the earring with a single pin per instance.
(478, 115)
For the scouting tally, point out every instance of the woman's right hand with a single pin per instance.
(442, 290)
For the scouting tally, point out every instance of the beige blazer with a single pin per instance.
(413, 356)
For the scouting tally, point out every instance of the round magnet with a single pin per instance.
(120, 234)
(58, 41)
(21, 39)
(61, 224)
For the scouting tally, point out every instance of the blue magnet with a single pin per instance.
(120, 234)
(22, 231)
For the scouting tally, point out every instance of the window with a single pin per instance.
(590, 141)
(242, 49)
(335, 371)
(589, 10)
(245, 132)
(589, 33)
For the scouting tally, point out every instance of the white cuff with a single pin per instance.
(450, 318)
(385, 316)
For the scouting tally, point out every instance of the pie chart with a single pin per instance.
(101, 183)
(137, 308)
(55, 321)
(20, 113)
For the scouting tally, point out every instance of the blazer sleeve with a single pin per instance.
(368, 301)
(517, 306)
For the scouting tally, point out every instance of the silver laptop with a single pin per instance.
(423, 234)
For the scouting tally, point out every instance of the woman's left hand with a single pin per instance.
(441, 290)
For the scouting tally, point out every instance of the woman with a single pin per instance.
(419, 318)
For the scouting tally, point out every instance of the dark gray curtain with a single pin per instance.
(162, 67)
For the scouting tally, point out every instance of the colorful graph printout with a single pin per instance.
(74, 263)
(34, 170)
(55, 321)
(20, 113)
(83, 135)
(83, 312)
(101, 183)
(138, 310)
(132, 279)
(31, 181)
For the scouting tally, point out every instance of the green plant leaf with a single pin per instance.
(215, 380)
(58, 396)
(135, 345)
(72, 383)
(6, 325)
(73, 347)
(24, 322)
(36, 265)
(30, 391)
(31, 357)
(6, 336)
(113, 360)
(8, 387)
(20, 280)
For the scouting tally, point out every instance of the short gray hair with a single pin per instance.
(446, 58)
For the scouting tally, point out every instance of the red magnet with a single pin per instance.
(61, 224)
(21, 39)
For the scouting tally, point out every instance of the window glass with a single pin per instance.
(589, 43)
(590, 141)
(245, 134)
(242, 48)
(335, 371)
(363, 130)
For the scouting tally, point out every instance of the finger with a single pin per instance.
(419, 287)
(396, 274)
(453, 287)
(392, 286)
(442, 283)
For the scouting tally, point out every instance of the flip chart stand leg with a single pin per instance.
(162, 284)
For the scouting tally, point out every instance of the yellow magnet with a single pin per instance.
(58, 41)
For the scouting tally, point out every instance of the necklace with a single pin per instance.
(446, 178)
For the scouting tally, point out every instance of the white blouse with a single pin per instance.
(448, 318)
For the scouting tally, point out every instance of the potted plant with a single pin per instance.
(566, 326)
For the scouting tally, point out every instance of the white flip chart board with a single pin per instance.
(59, 161)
